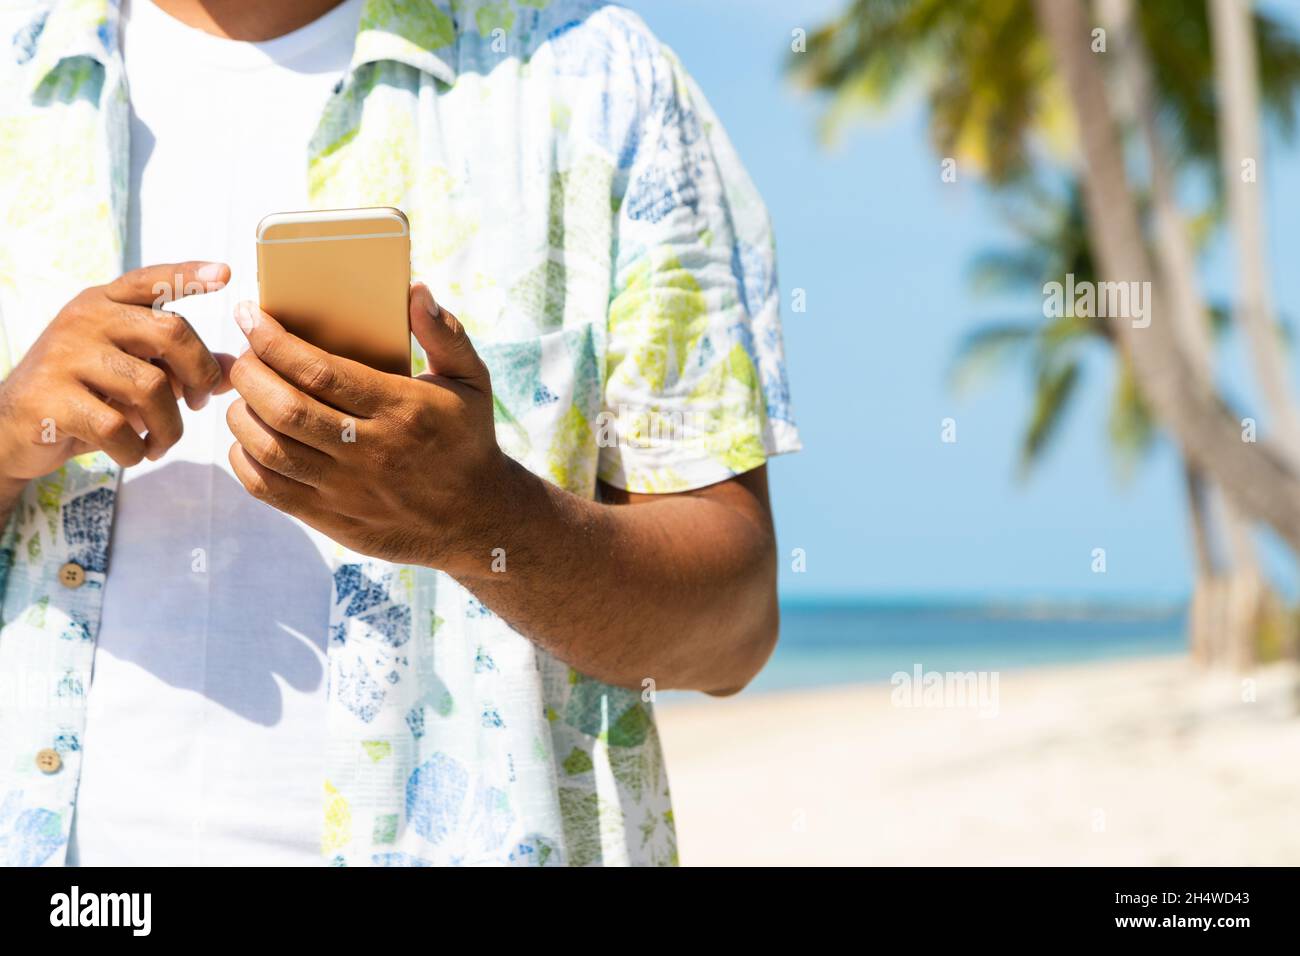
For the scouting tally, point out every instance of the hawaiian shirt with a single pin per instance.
(575, 202)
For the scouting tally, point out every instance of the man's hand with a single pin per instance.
(107, 373)
(678, 590)
(404, 469)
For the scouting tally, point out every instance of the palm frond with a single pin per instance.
(1131, 428)
(988, 349)
(1055, 388)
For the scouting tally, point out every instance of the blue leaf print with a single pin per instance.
(87, 521)
(370, 602)
(435, 793)
(32, 838)
(397, 859)
(25, 39)
(415, 721)
(534, 850)
(78, 628)
(358, 691)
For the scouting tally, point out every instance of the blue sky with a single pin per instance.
(880, 505)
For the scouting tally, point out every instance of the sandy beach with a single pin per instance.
(1121, 763)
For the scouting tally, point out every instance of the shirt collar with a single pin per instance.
(64, 31)
(419, 33)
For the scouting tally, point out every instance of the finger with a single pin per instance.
(144, 388)
(197, 400)
(283, 494)
(93, 421)
(132, 416)
(346, 385)
(288, 410)
(178, 390)
(226, 361)
(280, 453)
(159, 334)
(445, 341)
(155, 286)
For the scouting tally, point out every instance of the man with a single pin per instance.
(447, 599)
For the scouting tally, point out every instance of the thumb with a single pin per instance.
(444, 339)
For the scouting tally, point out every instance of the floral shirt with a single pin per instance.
(575, 202)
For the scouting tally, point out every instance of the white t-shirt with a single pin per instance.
(205, 734)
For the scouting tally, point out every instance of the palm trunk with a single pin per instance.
(1222, 622)
(1236, 82)
(1198, 511)
(1203, 618)
(1175, 257)
(1254, 475)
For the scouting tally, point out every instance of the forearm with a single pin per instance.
(679, 590)
(674, 588)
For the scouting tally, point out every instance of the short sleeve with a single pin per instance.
(695, 379)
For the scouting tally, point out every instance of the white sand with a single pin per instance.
(1133, 762)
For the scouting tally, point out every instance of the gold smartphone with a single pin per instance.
(340, 278)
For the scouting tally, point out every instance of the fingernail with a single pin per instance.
(245, 317)
(210, 272)
(432, 305)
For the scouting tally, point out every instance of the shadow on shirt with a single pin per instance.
(211, 590)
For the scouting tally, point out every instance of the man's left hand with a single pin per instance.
(403, 469)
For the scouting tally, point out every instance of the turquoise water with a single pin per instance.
(845, 644)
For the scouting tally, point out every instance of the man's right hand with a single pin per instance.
(107, 373)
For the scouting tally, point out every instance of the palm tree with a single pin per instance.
(1227, 606)
(1232, 611)
(1236, 83)
(993, 89)
(996, 97)
(1256, 476)
(1053, 243)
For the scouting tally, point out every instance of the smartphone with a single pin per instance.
(340, 278)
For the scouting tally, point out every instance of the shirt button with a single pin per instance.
(48, 761)
(72, 575)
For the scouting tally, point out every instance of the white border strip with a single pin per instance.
(312, 216)
(360, 235)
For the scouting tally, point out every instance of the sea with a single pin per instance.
(823, 644)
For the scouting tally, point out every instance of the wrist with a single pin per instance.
(492, 521)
